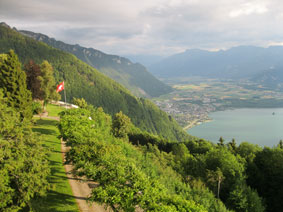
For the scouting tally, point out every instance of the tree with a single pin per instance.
(121, 125)
(232, 167)
(216, 177)
(80, 102)
(13, 83)
(47, 83)
(243, 198)
(33, 73)
(280, 145)
(221, 141)
(266, 176)
(23, 165)
(232, 145)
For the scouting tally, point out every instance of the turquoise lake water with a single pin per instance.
(258, 126)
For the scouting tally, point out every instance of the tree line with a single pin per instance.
(23, 160)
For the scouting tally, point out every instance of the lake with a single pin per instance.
(259, 126)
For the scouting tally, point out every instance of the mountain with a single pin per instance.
(146, 60)
(272, 78)
(238, 62)
(133, 76)
(82, 80)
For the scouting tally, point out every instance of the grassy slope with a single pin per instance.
(60, 197)
(53, 110)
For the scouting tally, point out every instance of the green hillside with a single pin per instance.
(133, 76)
(82, 80)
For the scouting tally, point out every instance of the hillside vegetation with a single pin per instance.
(81, 80)
(135, 169)
(133, 76)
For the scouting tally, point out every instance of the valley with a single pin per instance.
(194, 98)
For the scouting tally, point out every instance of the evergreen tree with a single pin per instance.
(23, 165)
(221, 141)
(280, 145)
(232, 145)
(13, 83)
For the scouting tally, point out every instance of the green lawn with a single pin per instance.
(60, 197)
(53, 110)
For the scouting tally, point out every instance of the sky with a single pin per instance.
(150, 27)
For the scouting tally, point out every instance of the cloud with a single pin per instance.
(160, 27)
(248, 9)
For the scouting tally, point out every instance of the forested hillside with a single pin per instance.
(133, 76)
(135, 169)
(81, 80)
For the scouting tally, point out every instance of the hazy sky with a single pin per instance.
(157, 27)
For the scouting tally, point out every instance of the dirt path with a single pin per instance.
(80, 189)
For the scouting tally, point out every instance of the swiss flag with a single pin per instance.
(60, 87)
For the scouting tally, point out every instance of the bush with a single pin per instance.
(36, 108)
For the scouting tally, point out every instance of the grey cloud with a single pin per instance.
(155, 27)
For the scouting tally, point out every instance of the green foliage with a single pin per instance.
(33, 73)
(231, 167)
(248, 151)
(243, 199)
(133, 76)
(128, 178)
(266, 174)
(59, 197)
(47, 83)
(80, 102)
(83, 81)
(23, 165)
(36, 107)
(13, 83)
(121, 125)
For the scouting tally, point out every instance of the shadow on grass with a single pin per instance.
(44, 131)
(46, 122)
(55, 201)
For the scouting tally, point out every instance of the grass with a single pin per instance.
(53, 110)
(60, 197)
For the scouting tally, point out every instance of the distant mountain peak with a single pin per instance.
(239, 62)
(133, 76)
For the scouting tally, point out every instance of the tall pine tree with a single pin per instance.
(13, 83)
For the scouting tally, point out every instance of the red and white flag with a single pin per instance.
(60, 87)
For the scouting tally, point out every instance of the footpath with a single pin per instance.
(81, 188)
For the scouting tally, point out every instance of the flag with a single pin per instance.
(60, 87)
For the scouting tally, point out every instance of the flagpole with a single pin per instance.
(65, 95)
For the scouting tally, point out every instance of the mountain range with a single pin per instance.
(242, 62)
(133, 76)
(84, 81)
